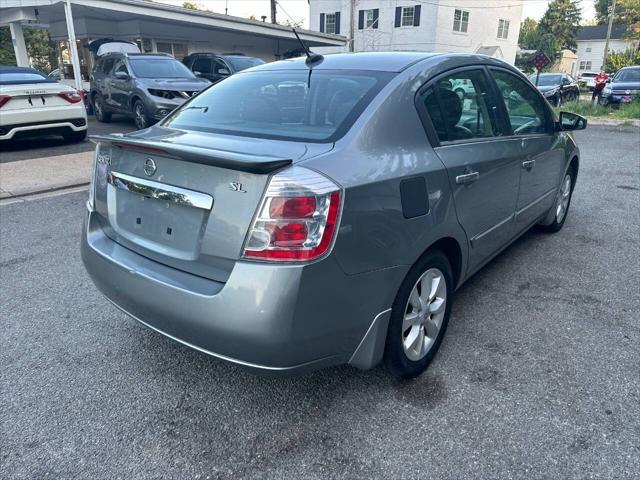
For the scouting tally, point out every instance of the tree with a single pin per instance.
(602, 10)
(562, 20)
(39, 47)
(628, 12)
(528, 34)
(617, 60)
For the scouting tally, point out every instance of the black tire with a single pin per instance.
(140, 115)
(395, 357)
(99, 109)
(75, 136)
(557, 224)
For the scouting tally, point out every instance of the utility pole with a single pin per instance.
(352, 16)
(273, 11)
(606, 44)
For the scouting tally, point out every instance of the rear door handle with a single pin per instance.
(467, 178)
(529, 164)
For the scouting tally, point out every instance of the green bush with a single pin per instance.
(589, 109)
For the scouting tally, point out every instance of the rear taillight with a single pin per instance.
(297, 220)
(71, 96)
(4, 99)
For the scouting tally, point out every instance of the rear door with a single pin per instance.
(541, 156)
(483, 168)
(120, 87)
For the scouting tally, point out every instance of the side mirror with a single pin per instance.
(571, 121)
(122, 76)
(608, 80)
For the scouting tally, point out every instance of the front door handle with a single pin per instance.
(467, 178)
(529, 164)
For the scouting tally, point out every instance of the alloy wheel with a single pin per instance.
(140, 116)
(424, 314)
(562, 203)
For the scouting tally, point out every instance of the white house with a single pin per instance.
(591, 41)
(469, 26)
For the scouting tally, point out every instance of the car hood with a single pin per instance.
(176, 83)
(625, 85)
(231, 144)
(546, 88)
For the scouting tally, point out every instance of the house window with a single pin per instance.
(585, 65)
(503, 28)
(369, 18)
(588, 49)
(460, 21)
(330, 23)
(407, 16)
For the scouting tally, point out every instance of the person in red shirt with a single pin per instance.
(601, 81)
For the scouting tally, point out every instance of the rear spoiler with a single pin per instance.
(260, 164)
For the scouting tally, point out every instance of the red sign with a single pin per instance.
(541, 60)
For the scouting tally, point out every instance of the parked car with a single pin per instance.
(145, 86)
(31, 102)
(588, 80)
(289, 219)
(216, 67)
(624, 87)
(557, 88)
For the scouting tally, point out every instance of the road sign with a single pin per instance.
(541, 60)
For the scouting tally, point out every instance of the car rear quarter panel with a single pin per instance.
(385, 146)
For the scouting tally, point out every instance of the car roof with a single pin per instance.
(380, 61)
(12, 69)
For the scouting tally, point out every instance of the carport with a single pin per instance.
(155, 27)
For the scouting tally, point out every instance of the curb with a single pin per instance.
(10, 196)
(597, 121)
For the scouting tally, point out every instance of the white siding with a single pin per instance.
(593, 51)
(435, 32)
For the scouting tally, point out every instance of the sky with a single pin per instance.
(299, 9)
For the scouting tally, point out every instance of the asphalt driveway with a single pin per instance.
(538, 377)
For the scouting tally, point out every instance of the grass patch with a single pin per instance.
(626, 111)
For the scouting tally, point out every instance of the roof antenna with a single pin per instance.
(312, 58)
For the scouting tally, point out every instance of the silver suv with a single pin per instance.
(144, 86)
(302, 214)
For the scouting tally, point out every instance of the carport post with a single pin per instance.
(73, 46)
(19, 47)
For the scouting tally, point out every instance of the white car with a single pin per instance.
(588, 79)
(31, 103)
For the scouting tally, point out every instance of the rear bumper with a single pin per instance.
(53, 119)
(277, 319)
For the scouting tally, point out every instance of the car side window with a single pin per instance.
(202, 65)
(121, 67)
(525, 108)
(219, 68)
(461, 107)
(107, 65)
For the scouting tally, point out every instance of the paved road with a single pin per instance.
(538, 376)
(52, 145)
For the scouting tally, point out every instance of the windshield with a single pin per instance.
(631, 75)
(16, 78)
(546, 80)
(159, 68)
(282, 105)
(242, 63)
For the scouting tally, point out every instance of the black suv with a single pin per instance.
(557, 88)
(624, 87)
(145, 86)
(215, 67)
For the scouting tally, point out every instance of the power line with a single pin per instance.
(483, 7)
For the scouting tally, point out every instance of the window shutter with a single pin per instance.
(398, 16)
(337, 23)
(360, 19)
(322, 22)
(416, 16)
(376, 16)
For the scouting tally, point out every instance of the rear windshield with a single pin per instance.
(631, 75)
(286, 105)
(16, 78)
(242, 63)
(159, 68)
(546, 80)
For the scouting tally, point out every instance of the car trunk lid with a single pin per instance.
(186, 199)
